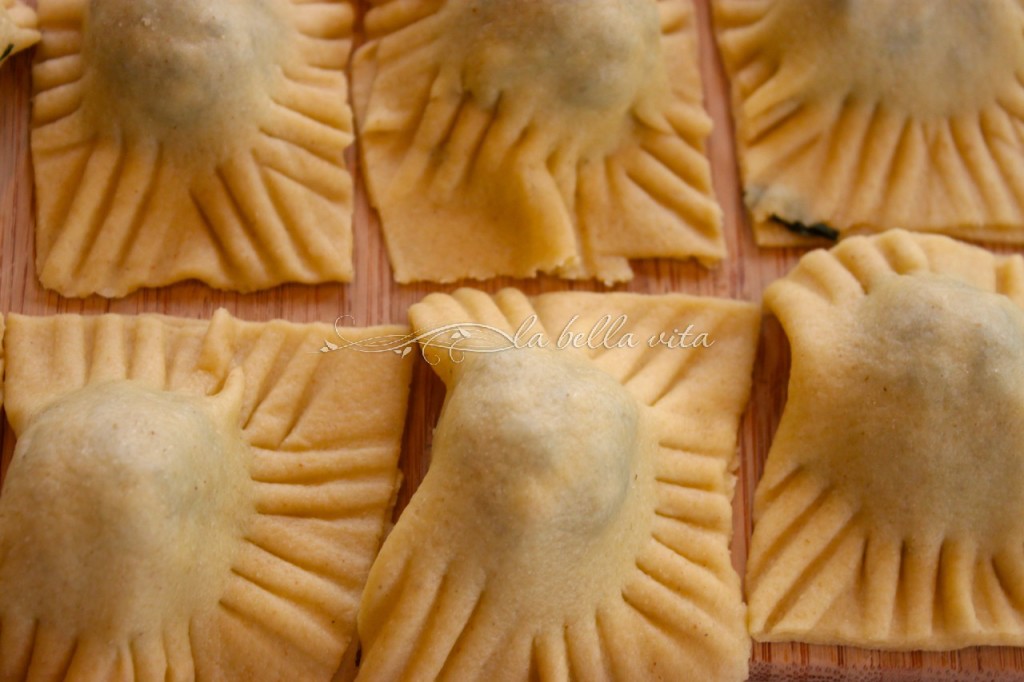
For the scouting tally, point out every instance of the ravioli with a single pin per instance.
(17, 28)
(512, 138)
(890, 514)
(191, 139)
(191, 499)
(576, 517)
(855, 117)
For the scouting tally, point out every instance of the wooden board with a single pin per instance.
(373, 298)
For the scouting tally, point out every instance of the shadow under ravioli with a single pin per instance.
(509, 138)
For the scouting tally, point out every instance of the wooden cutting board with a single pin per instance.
(373, 298)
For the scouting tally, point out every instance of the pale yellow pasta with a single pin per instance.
(191, 499)
(515, 138)
(193, 139)
(576, 517)
(856, 117)
(17, 28)
(890, 514)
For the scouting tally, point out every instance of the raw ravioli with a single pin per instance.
(502, 137)
(857, 117)
(191, 499)
(576, 517)
(191, 139)
(891, 512)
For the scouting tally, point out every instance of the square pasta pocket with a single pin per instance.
(191, 499)
(576, 517)
(857, 117)
(505, 137)
(179, 139)
(891, 510)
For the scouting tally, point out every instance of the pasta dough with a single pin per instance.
(17, 28)
(511, 138)
(191, 499)
(576, 517)
(890, 511)
(857, 117)
(191, 139)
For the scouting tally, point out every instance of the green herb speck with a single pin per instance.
(814, 230)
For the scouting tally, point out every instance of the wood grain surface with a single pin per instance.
(373, 298)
